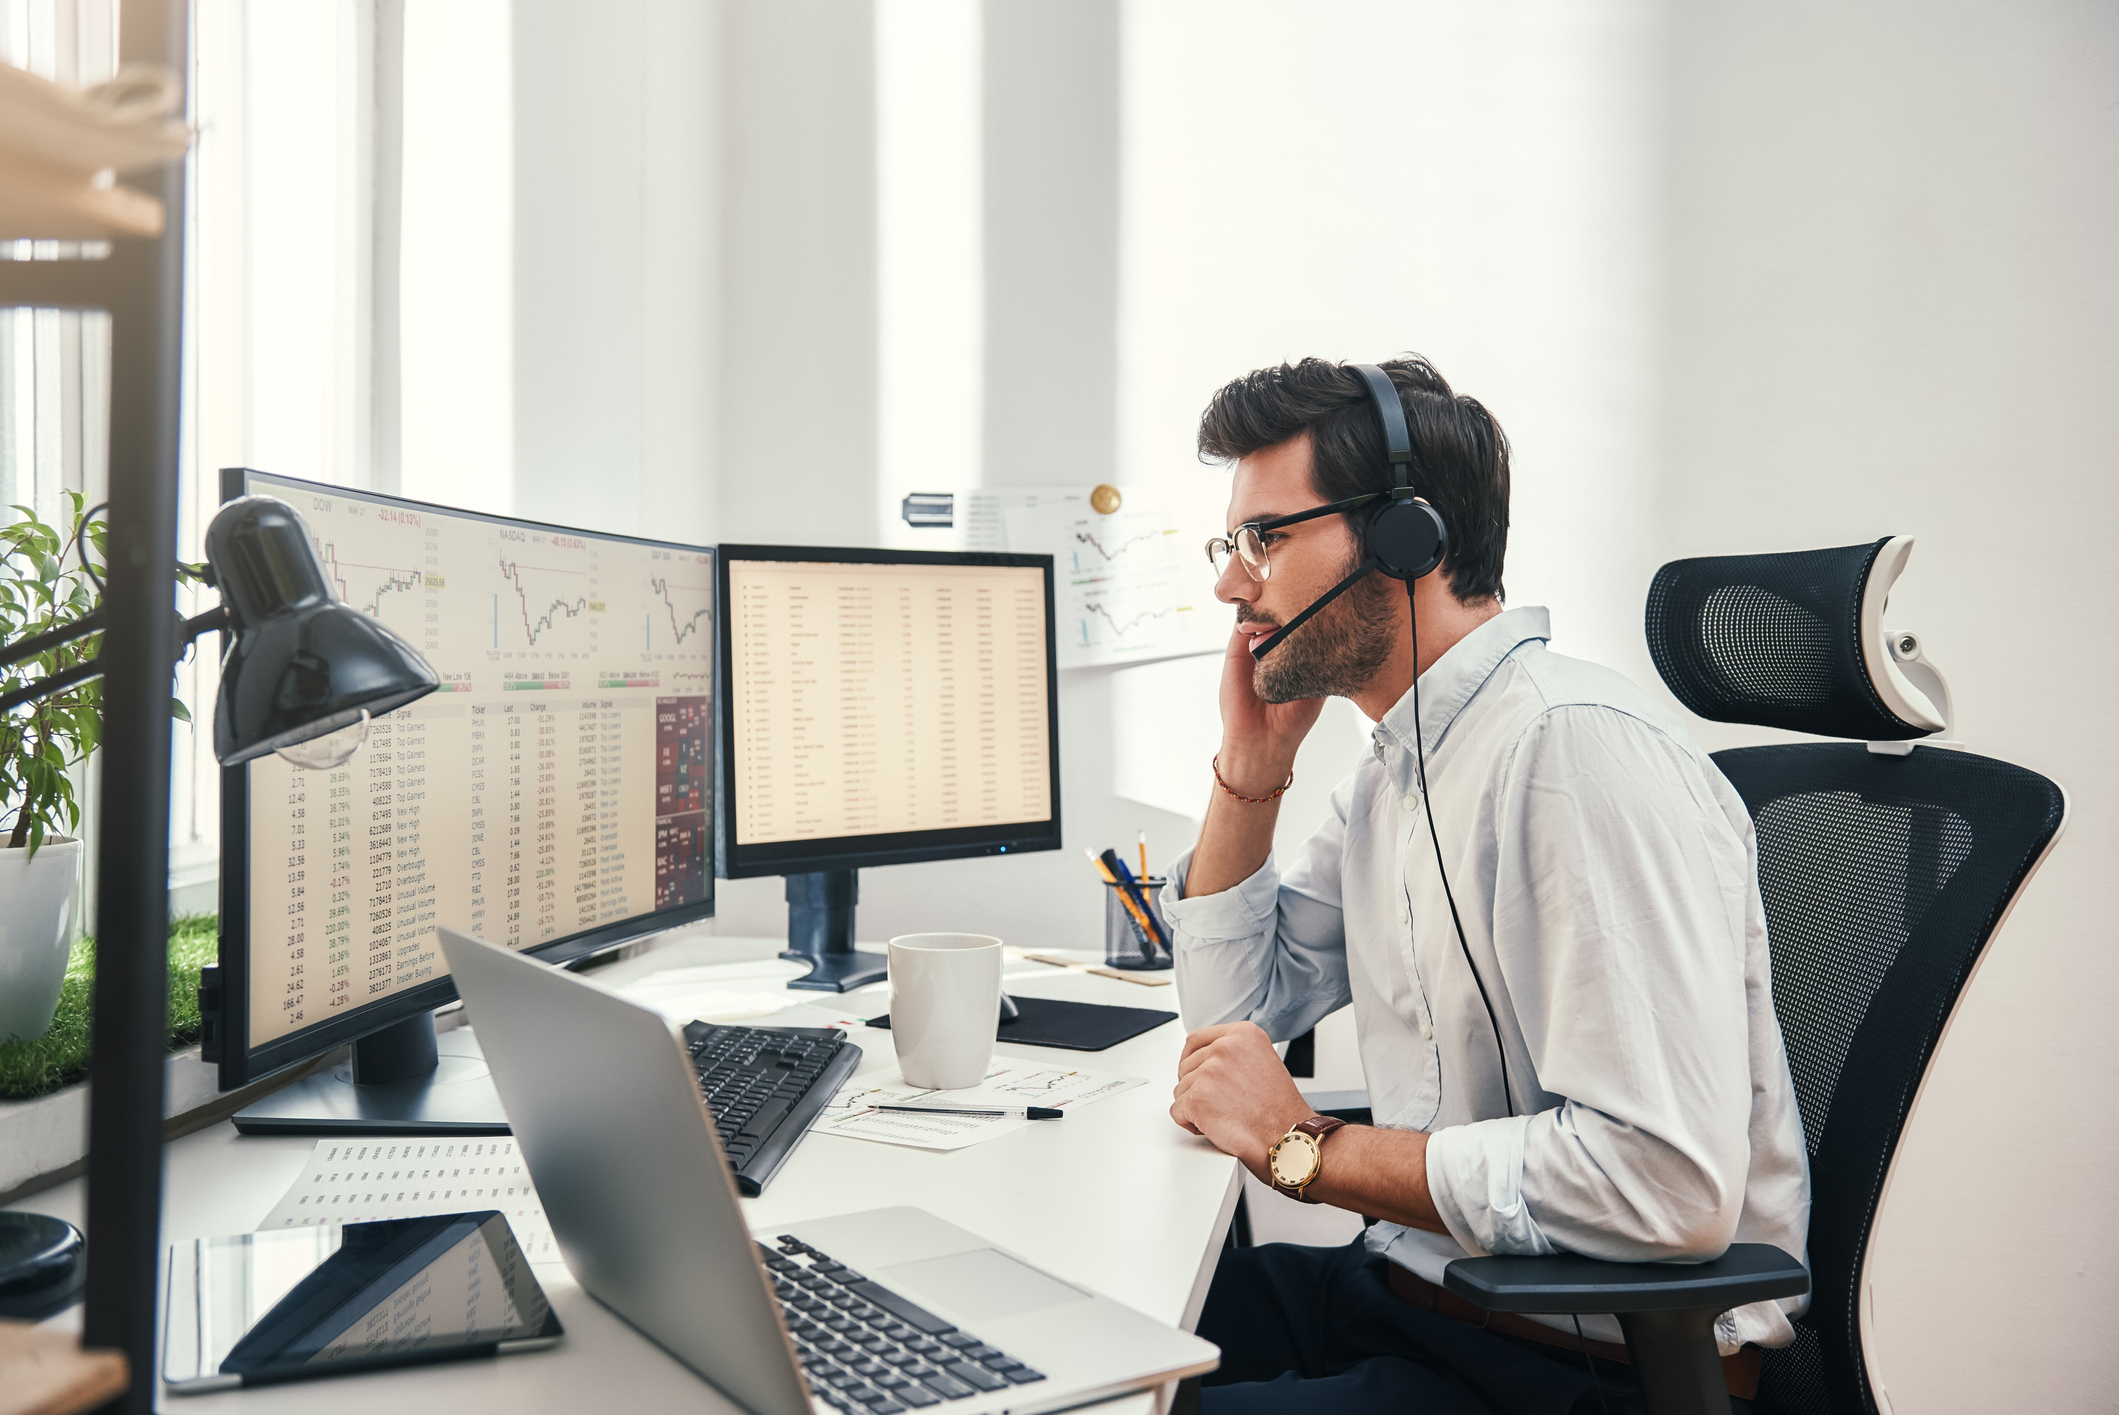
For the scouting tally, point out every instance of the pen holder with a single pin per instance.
(1125, 945)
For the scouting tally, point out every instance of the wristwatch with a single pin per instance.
(1296, 1161)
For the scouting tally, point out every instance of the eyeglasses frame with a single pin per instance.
(1274, 523)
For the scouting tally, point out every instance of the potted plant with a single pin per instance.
(40, 743)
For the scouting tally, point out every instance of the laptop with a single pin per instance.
(883, 1311)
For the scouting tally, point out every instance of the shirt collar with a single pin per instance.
(1454, 679)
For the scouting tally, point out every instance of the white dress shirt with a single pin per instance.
(1606, 875)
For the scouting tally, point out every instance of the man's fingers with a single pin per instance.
(1187, 1065)
(1206, 1036)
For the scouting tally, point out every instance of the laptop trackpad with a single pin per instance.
(992, 1284)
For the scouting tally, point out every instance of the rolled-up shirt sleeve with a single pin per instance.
(1271, 949)
(1618, 926)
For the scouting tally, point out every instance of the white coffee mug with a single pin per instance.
(945, 998)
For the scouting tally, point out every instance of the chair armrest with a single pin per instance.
(1561, 1283)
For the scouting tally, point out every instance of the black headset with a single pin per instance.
(1405, 535)
(1402, 535)
(1405, 538)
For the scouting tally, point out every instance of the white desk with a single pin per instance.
(1115, 1197)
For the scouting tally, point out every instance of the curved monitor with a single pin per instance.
(554, 795)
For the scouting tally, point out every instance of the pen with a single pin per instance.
(1026, 1112)
(1139, 896)
(1127, 897)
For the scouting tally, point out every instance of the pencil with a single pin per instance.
(1144, 857)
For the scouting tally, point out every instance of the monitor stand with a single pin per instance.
(402, 1080)
(820, 909)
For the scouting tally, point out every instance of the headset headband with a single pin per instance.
(1395, 432)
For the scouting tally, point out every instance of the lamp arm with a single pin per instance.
(212, 621)
(55, 683)
(89, 623)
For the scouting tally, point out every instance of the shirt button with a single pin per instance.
(1412, 802)
(1427, 1030)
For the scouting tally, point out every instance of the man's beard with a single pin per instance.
(1337, 653)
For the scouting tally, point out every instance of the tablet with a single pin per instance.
(306, 1302)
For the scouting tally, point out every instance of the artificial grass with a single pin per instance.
(60, 1056)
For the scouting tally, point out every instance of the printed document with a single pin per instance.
(361, 1181)
(853, 1112)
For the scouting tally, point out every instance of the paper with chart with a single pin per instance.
(1131, 585)
(362, 1181)
(984, 524)
(853, 1112)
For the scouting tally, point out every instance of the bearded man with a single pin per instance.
(1539, 896)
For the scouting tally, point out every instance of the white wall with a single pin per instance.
(1467, 181)
(456, 290)
(796, 442)
(617, 230)
(1890, 307)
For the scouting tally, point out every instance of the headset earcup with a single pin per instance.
(1408, 538)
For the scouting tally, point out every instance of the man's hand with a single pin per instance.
(1233, 1088)
(1258, 744)
(1258, 739)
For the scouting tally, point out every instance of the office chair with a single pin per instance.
(1885, 869)
(1886, 863)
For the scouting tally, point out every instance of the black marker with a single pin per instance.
(1028, 1112)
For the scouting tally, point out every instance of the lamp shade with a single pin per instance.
(301, 662)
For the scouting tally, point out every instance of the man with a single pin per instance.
(1560, 981)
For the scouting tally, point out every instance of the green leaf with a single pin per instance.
(178, 711)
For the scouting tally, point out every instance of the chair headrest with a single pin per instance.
(1793, 640)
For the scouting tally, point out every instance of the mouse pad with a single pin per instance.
(1075, 1026)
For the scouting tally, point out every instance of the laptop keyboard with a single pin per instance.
(866, 1349)
(764, 1085)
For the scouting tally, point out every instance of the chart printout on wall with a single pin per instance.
(1133, 585)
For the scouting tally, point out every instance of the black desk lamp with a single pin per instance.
(303, 675)
(306, 671)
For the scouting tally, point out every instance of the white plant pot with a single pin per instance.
(36, 905)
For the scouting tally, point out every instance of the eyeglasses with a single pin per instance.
(1247, 541)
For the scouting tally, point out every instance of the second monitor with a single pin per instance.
(879, 708)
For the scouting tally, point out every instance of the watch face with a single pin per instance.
(1294, 1160)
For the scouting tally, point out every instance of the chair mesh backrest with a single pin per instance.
(1882, 879)
(1773, 640)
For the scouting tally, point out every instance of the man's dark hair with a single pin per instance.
(1460, 454)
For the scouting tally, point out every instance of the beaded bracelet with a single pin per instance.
(1249, 800)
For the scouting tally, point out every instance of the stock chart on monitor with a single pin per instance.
(557, 783)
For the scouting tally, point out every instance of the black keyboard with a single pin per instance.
(764, 1085)
(867, 1350)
